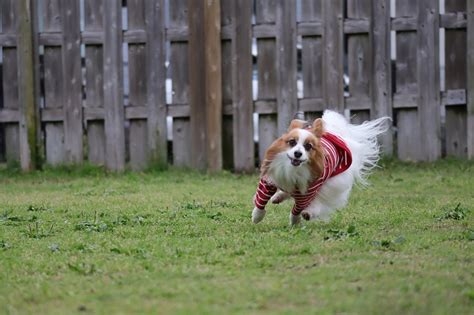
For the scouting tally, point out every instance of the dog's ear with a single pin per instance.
(297, 123)
(318, 127)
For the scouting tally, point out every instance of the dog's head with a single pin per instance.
(299, 147)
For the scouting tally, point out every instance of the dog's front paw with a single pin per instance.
(295, 219)
(258, 215)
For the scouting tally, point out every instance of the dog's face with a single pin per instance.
(299, 148)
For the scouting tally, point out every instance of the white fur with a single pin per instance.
(334, 194)
(284, 174)
(362, 142)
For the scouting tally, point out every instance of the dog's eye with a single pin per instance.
(292, 142)
(308, 146)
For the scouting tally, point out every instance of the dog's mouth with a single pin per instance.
(296, 162)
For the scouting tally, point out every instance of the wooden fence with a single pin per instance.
(87, 79)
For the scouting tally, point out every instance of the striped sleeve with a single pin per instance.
(265, 191)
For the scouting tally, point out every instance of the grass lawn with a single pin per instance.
(83, 241)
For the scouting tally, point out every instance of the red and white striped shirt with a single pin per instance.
(338, 158)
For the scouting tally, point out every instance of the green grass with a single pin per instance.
(83, 241)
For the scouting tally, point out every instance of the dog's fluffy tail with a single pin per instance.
(361, 140)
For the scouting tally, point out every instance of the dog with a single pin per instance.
(317, 165)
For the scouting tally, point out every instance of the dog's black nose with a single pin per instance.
(298, 154)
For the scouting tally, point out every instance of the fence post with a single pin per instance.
(213, 98)
(470, 79)
(28, 117)
(113, 86)
(242, 86)
(382, 74)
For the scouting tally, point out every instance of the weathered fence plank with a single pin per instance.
(137, 66)
(312, 58)
(156, 82)
(227, 7)
(267, 67)
(213, 79)
(333, 69)
(113, 86)
(428, 78)
(94, 22)
(242, 86)
(10, 80)
(409, 139)
(470, 79)
(53, 84)
(179, 64)
(382, 68)
(359, 61)
(456, 78)
(287, 97)
(197, 83)
(72, 96)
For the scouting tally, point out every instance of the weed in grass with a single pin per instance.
(8, 219)
(389, 244)
(335, 234)
(83, 269)
(456, 213)
(4, 245)
(54, 247)
(37, 208)
(468, 235)
(38, 231)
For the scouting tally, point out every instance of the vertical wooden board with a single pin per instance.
(310, 10)
(244, 156)
(359, 60)
(11, 101)
(54, 134)
(72, 74)
(408, 136)
(156, 82)
(359, 116)
(181, 142)
(382, 69)
(179, 64)
(227, 121)
(227, 7)
(113, 86)
(408, 148)
(359, 57)
(333, 70)
(96, 142)
(456, 126)
(137, 66)
(456, 78)
(429, 102)
(213, 79)
(312, 57)
(53, 84)
(138, 148)
(470, 79)
(94, 88)
(197, 83)
(10, 80)
(267, 74)
(267, 133)
(287, 101)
